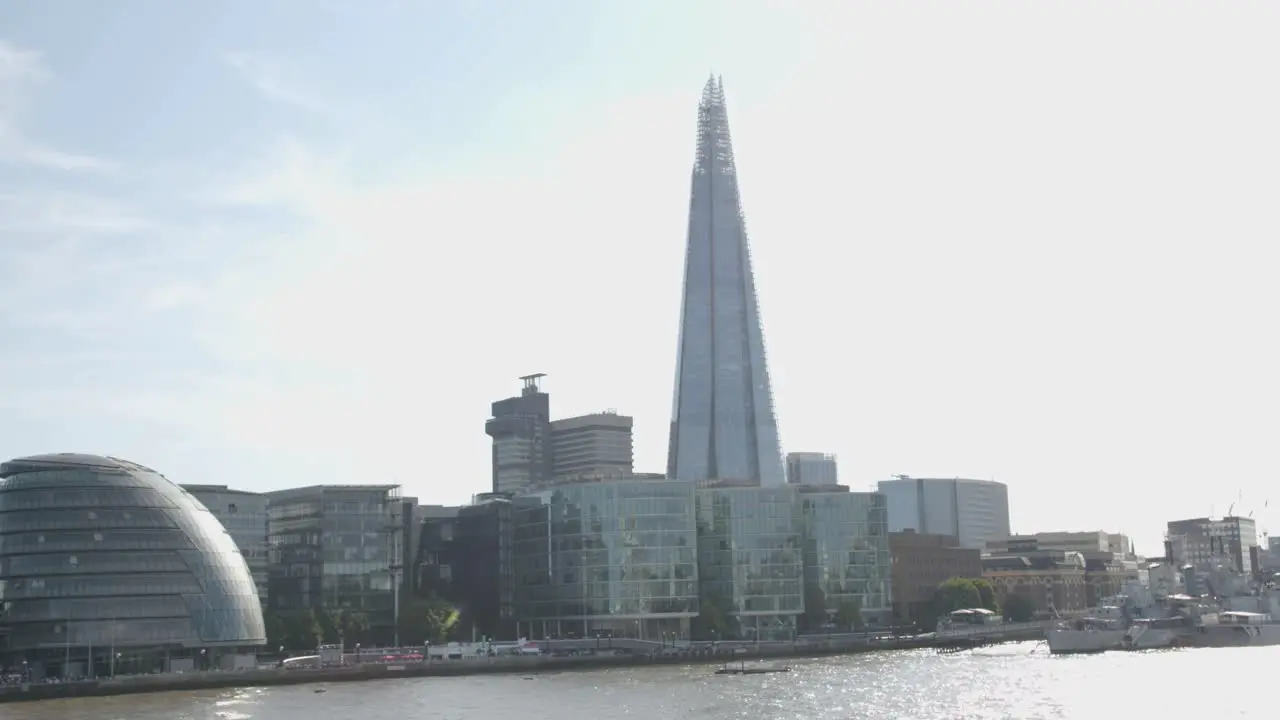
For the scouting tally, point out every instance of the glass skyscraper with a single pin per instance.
(723, 425)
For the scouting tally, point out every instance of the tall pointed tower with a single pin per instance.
(723, 425)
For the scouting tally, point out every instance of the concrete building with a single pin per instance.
(723, 425)
(598, 445)
(920, 563)
(108, 567)
(1053, 580)
(338, 547)
(1203, 541)
(521, 432)
(1107, 567)
(811, 468)
(975, 512)
(244, 515)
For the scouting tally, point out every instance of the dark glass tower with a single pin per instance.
(723, 425)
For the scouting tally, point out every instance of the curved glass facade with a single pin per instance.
(616, 557)
(105, 561)
(244, 515)
(750, 560)
(846, 553)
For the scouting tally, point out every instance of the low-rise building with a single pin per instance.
(1109, 565)
(846, 552)
(1053, 580)
(920, 563)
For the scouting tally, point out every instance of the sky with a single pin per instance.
(271, 243)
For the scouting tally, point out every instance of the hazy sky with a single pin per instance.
(275, 243)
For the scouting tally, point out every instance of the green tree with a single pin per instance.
(299, 630)
(1018, 608)
(343, 625)
(849, 615)
(986, 594)
(711, 622)
(815, 608)
(956, 594)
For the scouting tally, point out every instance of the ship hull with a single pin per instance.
(1081, 642)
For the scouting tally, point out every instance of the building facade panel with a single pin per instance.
(974, 511)
(105, 561)
(244, 515)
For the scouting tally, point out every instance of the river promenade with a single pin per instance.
(705, 653)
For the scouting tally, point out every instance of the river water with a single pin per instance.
(1009, 681)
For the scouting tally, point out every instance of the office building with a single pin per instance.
(975, 512)
(606, 558)
(921, 562)
(244, 515)
(1204, 542)
(751, 559)
(1107, 567)
(811, 468)
(723, 425)
(846, 554)
(106, 566)
(521, 432)
(598, 445)
(338, 547)
(465, 557)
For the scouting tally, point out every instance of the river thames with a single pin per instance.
(1009, 681)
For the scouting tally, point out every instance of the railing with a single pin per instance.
(958, 631)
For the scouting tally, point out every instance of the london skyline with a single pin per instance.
(723, 424)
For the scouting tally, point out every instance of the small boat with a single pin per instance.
(742, 669)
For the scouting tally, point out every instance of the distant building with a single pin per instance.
(335, 547)
(1202, 542)
(244, 515)
(1053, 580)
(922, 562)
(811, 468)
(521, 432)
(846, 552)
(974, 511)
(598, 445)
(464, 556)
(1107, 567)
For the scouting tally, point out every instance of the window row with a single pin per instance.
(90, 563)
(109, 585)
(84, 541)
(22, 611)
(103, 519)
(82, 497)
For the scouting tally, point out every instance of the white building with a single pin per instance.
(974, 511)
(811, 468)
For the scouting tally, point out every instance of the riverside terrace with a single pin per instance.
(627, 653)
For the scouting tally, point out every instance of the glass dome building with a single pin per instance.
(106, 566)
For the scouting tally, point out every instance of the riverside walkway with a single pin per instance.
(611, 653)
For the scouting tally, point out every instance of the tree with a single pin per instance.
(297, 629)
(711, 622)
(815, 607)
(986, 594)
(343, 625)
(428, 620)
(956, 594)
(1018, 608)
(849, 615)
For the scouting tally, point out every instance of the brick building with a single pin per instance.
(919, 563)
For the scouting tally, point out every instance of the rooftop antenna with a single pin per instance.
(532, 384)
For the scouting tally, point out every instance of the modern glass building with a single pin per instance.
(846, 554)
(614, 557)
(723, 425)
(337, 547)
(750, 560)
(107, 566)
(244, 515)
(464, 557)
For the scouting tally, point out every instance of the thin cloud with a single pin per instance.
(21, 71)
(271, 80)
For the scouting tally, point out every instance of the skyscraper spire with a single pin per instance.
(723, 425)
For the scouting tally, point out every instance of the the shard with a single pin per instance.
(723, 425)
